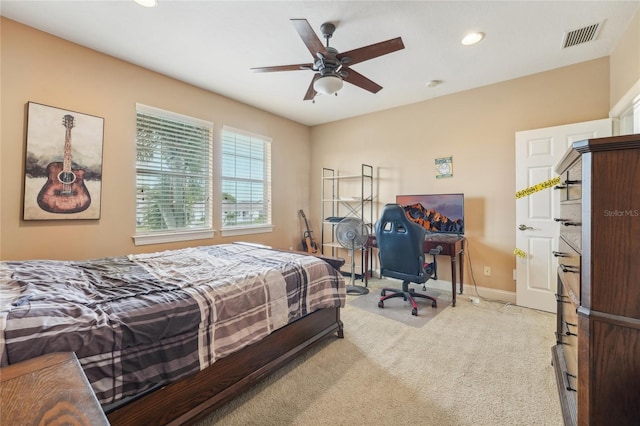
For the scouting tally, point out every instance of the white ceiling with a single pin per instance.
(213, 44)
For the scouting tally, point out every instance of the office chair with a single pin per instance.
(400, 250)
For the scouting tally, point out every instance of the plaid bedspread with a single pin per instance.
(141, 320)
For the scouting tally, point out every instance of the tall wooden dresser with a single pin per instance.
(597, 356)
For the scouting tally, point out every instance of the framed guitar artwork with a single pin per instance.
(63, 171)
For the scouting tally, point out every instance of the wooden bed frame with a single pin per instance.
(195, 397)
(191, 399)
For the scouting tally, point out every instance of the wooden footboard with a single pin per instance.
(193, 398)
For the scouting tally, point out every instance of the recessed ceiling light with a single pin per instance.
(472, 38)
(147, 3)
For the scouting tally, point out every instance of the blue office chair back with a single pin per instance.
(400, 246)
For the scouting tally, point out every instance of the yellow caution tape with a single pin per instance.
(520, 253)
(539, 187)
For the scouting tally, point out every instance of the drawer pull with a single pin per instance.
(560, 254)
(569, 268)
(573, 376)
(560, 187)
(559, 298)
(572, 182)
(567, 331)
(559, 337)
(567, 222)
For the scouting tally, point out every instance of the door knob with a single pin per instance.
(524, 227)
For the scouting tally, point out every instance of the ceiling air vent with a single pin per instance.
(581, 35)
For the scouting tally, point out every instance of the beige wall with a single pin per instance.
(625, 62)
(477, 128)
(41, 68)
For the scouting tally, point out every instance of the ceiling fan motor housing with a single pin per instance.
(328, 64)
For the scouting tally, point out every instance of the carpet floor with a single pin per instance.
(484, 364)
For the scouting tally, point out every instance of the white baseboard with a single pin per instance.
(470, 290)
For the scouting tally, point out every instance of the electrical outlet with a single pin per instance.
(487, 271)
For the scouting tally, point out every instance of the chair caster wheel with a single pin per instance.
(414, 312)
(383, 293)
(434, 304)
(381, 304)
(424, 288)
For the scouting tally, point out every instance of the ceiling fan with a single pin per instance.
(332, 67)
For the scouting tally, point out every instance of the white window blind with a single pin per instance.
(173, 174)
(246, 180)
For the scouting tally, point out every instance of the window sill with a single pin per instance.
(170, 237)
(246, 230)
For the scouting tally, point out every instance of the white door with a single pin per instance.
(537, 153)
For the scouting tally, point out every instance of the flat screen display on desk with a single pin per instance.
(442, 213)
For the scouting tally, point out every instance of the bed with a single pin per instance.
(167, 337)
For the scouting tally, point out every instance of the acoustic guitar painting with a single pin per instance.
(65, 191)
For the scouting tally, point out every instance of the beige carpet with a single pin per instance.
(485, 364)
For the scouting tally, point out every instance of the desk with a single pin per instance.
(452, 245)
(50, 389)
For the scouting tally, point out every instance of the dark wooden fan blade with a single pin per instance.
(295, 67)
(311, 92)
(360, 80)
(309, 37)
(372, 51)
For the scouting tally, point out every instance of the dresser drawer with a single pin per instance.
(569, 269)
(567, 336)
(570, 186)
(570, 220)
(566, 254)
(573, 181)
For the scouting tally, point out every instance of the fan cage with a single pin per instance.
(352, 233)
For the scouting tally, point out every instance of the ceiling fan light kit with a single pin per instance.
(330, 66)
(328, 85)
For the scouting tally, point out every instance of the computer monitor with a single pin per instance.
(441, 213)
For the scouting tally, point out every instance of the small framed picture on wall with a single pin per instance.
(444, 167)
(63, 171)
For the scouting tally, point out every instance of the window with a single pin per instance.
(173, 177)
(246, 182)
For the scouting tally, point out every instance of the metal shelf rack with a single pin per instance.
(345, 195)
